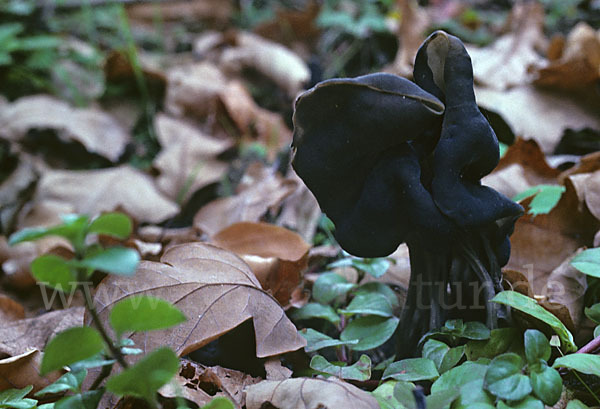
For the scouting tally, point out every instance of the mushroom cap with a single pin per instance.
(392, 161)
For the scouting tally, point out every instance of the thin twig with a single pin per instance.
(591, 346)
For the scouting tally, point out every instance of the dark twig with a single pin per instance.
(590, 347)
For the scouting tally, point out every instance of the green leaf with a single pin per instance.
(114, 260)
(369, 303)
(359, 371)
(147, 376)
(15, 398)
(457, 377)
(219, 403)
(70, 346)
(316, 310)
(536, 346)
(93, 362)
(404, 393)
(530, 306)
(85, 400)
(529, 402)
(316, 340)
(435, 350)
(588, 262)
(584, 363)
(593, 313)
(412, 369)
(73, 229)
(54, 271)
(577, 404)
(441, 399)
(475, 331)
(144, 313)
(384, 394)
(546, 384)
(371, 331)
(546, 197)
(379, 288)
(373, 266)
(71, 381)
(499, 342)
(472, 395)
(450, 360)
(504, 378)
(330, 286)
(112, 224)
(32, 43)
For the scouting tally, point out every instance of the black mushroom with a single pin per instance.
(392, 161)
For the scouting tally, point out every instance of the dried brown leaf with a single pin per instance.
(10, 310)
(214, 11)
(22, 370)
(276, 255)
(260, 191)
(187, 161)
(305, 393)
(14, 192)
(523, 106)
(504, 63)
(273, 60)
(95, 191)
(215, 289)
(578, 66)
(97, 131)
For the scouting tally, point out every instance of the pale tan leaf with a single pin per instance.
(260, 191)
(276, 255)
(14, 192)
(523, 106)
(305, 393)
(193, 89)
(505, 62)
(199, 383)
(187, 161)
(216, 291)
(95, 191)
(192, 10)
(273, 60)
(21, 336)
(579, 64)
(276, 371)
(94, 129)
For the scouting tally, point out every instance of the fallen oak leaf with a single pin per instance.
(215, 289)
(276, 255)
(97, 131)
(305, 393)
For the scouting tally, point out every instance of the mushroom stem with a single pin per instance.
(457, 282)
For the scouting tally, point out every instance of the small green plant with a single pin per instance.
(86, 347)
(545, 198)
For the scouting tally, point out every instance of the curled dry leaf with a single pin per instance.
(276, 371)
(95, 191)
(22, 370)
(193, 89)
(520, 106)
(215, 289)
(273, 60)
(540, 244)
(187, 161)
(292, 27)
(579, 63)
(97, 131)
(260, 191)
(14, 192)
(523, 166)
(276, 255)
(253, 121)
(10, 310)
(305, 393)
(504, 63)
(21, 336)
(199, 383)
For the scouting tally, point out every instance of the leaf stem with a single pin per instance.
(89, 304)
